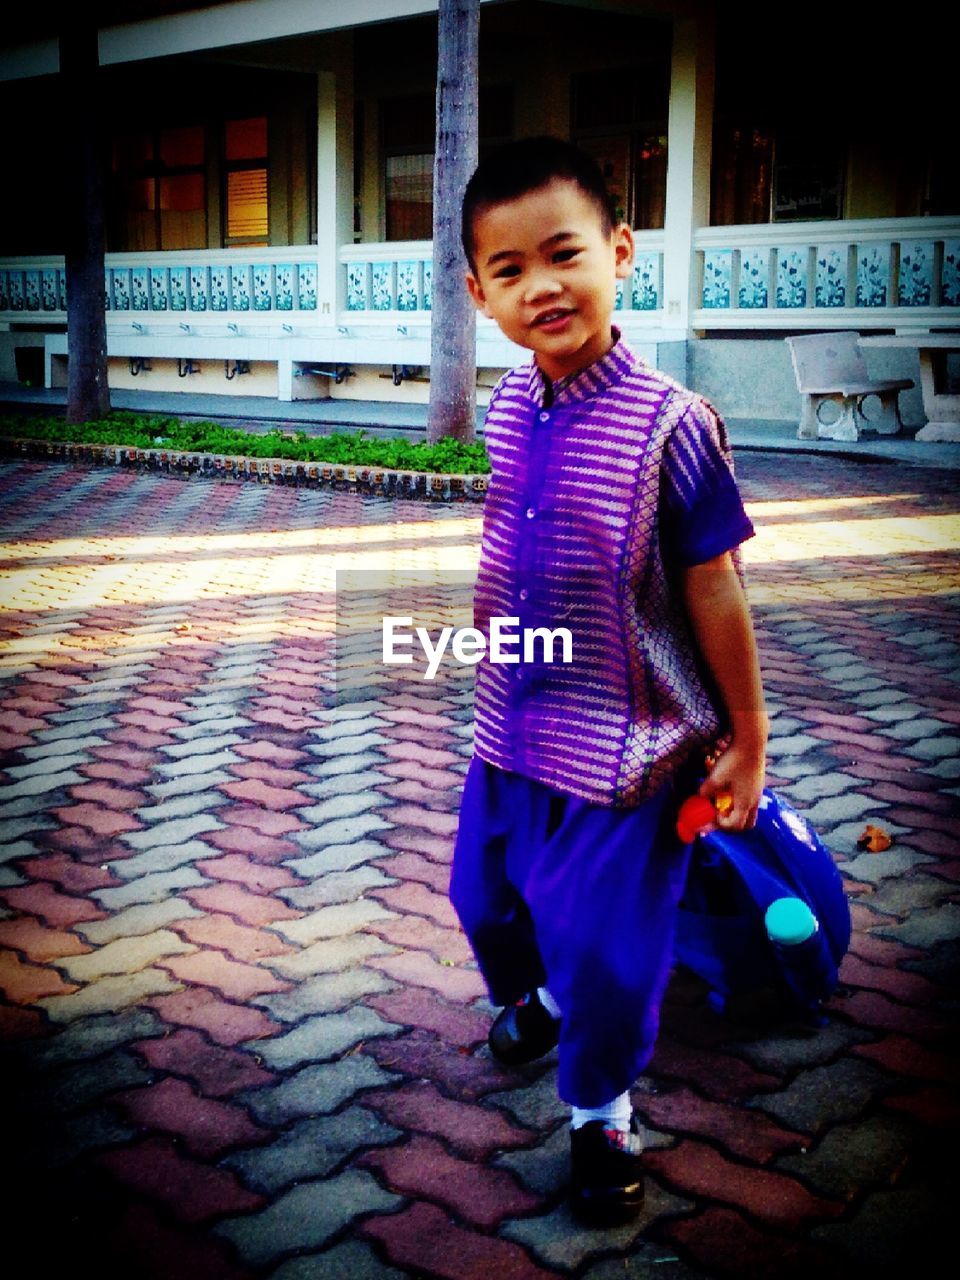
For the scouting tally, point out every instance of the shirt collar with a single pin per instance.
(575, 387)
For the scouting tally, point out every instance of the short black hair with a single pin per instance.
(526, 165)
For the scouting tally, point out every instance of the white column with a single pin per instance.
(689, 139)
(334, 186)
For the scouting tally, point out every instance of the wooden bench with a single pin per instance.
(830, 369)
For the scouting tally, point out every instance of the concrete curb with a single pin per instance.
(386, 482)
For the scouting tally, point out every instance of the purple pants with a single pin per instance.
(553, 890)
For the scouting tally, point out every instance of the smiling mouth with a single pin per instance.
(549, 318)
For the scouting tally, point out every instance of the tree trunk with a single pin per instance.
(453, 326)
(88, 396)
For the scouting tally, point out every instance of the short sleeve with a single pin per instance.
(701, 511)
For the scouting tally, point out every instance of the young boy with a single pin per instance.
(613, 512)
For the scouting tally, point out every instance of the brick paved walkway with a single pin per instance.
(244, 1034)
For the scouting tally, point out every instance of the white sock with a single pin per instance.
(615, 1114)
(548, 1002)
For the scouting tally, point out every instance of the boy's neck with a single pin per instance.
(549, 383)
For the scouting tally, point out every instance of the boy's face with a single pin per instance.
(546, 273)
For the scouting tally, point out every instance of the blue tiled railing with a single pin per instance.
(197, 287)
(866, 273)
(378, 282)
(874, 267)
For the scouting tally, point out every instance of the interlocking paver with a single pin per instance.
(333, 921)
(423, 1236)
(90, 1037)
(875, 1151)
(149, 888)
(423, 1168)
(332, 955)
(215, 1070)
(698, 1169)
(559, 1241)
(323, 1037)
(173, 831)
(346, 785)
(825, 1095)
(326, 993)
(352, 1259)
(235, 900)
(136, 920)
(211, 710)
(233, 978)
(477, 1132)
(39, 784)
(335, 857)
(161, 858)
(421, 969)
(77, 1085)
(307, 1216)
(36, 942)
(788, 1051)
(726, 1240)
(192, 1190)
(311, 1149)
(126, 955)
(108, 995)
(316, 1089)
(334, 887)
(239, 941)
(207, 1011)
(207, 1127)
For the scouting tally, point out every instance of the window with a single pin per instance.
(742, 172)
(409, 186)
(775, 172)
(620, 118)
(807, 174)
(158, 197)
(247, 205)
(407, 133)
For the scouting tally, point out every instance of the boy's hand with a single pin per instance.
(740, 774)
(718, 613)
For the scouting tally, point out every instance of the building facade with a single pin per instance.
(269, 172)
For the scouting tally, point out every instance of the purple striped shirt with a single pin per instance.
(599, 491)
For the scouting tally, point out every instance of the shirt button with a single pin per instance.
(524, 593)
(531, 512)
(519, 673)
(544, 417)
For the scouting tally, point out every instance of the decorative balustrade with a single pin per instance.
(868, 274)
(202, 281)
(396, 277)
(882, 269)
(392, 277)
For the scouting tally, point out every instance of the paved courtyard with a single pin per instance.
(242, 1035)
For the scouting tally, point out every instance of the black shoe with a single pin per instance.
(523, 1032)
(606, 1173)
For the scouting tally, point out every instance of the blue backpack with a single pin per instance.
(733, 878)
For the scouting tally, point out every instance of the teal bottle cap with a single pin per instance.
(789, 921)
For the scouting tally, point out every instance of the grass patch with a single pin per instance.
(342, 448)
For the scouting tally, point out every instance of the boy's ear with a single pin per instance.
(476, 293)
(624, 250)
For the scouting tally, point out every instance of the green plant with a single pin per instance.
(155, 431)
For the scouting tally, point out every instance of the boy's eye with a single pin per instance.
(506, 272)
(565, 255)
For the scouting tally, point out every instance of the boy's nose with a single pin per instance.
(541, 285)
